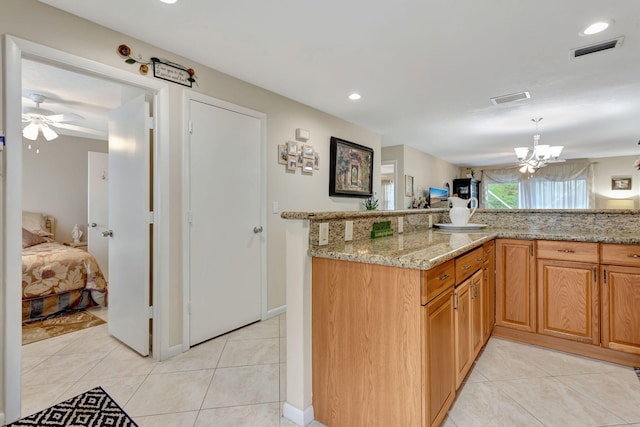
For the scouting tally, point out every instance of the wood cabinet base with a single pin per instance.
(588, 350)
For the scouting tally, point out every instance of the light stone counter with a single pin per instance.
(426, 249)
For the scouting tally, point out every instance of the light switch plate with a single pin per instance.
(323, 237)
(348, 230)
(275, 208)
(400, 224)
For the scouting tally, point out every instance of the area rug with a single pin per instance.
(93, 408)
(59, 325)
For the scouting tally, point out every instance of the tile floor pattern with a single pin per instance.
(239, 380)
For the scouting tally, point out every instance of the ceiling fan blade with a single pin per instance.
(69, 117)
(79, 129)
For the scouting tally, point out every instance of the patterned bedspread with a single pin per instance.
(54, 269)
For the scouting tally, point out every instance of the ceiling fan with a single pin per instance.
(41, 120)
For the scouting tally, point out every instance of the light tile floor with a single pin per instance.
(239, 379)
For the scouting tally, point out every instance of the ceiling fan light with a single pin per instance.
(30, 131)
(48, 133)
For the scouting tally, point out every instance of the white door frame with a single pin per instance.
(188, 96)
(397, 206)
(15, 50)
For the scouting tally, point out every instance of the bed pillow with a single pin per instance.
(35, 223)
(29, 239)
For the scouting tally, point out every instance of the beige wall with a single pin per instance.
(427, 171)
(55, 181)
(34, 21)
(609, 167)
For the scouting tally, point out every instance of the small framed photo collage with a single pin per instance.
(298, 155)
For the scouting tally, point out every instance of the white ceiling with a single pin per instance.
(425, 68)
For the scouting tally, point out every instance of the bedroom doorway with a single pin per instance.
(15, 51)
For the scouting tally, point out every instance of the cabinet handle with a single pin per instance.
(595, 274)
(634, 256)
(567, 251)
(479, 259)
(466, 267)
(445, 277)
(605, 276)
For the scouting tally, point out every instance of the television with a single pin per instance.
(438, 197)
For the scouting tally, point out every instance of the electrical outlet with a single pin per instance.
(323, 238)
(400, 224)
(348, 230)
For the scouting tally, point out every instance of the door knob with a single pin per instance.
(93, 224)
(257, 229)
(108, 233)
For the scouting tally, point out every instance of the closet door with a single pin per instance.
(225, 212)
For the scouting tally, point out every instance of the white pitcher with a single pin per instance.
(459, 213)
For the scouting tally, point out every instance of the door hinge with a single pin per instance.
(150, 312)
(189, 217)
(190, 127)
(151, 218)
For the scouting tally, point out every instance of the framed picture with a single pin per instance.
(292, 148)
(307, 166)
(307, 151)
(300, 158)
(316, 160)
(292, 163)
(350, 169)
(408, 185)
(282, 154)
(621, 183)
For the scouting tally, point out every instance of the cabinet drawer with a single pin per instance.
(469, 263)
(436, 280)
(620, 255)
(567, 251)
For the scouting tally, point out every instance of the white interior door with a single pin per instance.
(98, 209)
(225, 208)
(129, 219)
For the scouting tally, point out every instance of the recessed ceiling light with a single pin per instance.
(169, 1)
(595, 28)
(354, 96)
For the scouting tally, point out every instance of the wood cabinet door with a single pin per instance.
(568, 300)
(439, 387)
(489, 288)
(515, 280)
(477, 313)
(463, 348)
(621, 308)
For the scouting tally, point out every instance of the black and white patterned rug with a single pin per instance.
(93, 408)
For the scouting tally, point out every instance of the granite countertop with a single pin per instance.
(426, 249)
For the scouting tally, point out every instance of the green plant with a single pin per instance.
(370, 204)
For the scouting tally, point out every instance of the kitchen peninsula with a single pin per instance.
(398, 321)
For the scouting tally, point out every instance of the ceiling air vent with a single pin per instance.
(609, 44)
(510, 98)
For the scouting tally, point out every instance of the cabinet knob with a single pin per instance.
(634, 256)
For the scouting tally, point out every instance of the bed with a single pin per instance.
(55, 277)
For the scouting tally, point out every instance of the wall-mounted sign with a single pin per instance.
(164, 71)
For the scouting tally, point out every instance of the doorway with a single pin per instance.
(15, 50)
(388, 185)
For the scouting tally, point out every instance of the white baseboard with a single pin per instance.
(276, 312)
(173, 351)
(299, 417)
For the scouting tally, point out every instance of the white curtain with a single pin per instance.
(566, 185)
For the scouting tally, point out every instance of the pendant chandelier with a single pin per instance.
(538, 156)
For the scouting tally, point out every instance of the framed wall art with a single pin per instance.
(408, 185)
(621, 183)
(282, 154)
(350, 169)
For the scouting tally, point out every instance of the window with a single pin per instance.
(559, 186)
